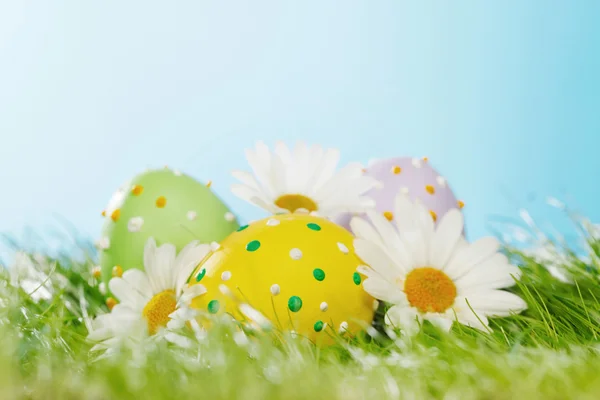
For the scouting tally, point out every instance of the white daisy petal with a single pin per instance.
(445, 238)
(138, 280)
(246, 178)
(191, 292)
(495, 303)
(468, 256)
(404, 318)
(494, 273)
(126, 293)
(382, 289)
(377, 259)
(474, 320)
(150, 265)
(164, 266)
(442, 322)
(302, 177)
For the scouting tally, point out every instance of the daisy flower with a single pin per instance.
(303, 179)
(153, 302)
(434, 274)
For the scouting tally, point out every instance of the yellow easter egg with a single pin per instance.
(299, 271)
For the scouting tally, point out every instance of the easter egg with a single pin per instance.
(298, 271)
(166, 205)
(414, 177)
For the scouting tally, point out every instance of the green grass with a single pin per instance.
(551, 351)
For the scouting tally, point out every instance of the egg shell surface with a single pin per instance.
(299, 271)
(412, 176)
(168, 206)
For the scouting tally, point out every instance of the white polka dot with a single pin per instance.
(229, 217)
(416, 163)
(214, 246)
(103, 243)
(323, 306)
(226, 275)
(192, 215)
(343, 248)
(176, 172)
(273, 222)
(275, 290)
(296, 254)
(343, 327)
(135, 224)
(375, 304)
(441, 181)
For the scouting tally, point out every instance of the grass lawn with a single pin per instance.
(548, 352)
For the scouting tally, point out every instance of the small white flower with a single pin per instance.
(30, 277)
(135, 224)
(155, 302)
(192, 215)
(303, 180)
(429, 273)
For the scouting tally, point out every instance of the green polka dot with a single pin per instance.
(314, 226)
(318, 326)
(253, 245)
(200, 274)
(356, 278)
(213, 306)
(319, 274)
(241, 228)
(295, 303)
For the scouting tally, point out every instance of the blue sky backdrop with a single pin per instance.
(503, 97)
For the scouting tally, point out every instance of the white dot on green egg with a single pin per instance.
(296, 254)
(275, 289)
(343, 248)
(176, 172)
(135, 224)
(343, 327)
(192, 215)
(226, 275)
(323, 307)
(273, 222)
(229, 217)
(214, 246)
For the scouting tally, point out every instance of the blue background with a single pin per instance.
(503, 97)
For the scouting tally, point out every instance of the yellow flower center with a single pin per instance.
(293, 202)
(158, 309)
(429, 290)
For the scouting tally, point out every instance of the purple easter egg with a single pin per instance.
(412, 176)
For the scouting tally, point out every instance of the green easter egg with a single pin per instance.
(170, 207)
